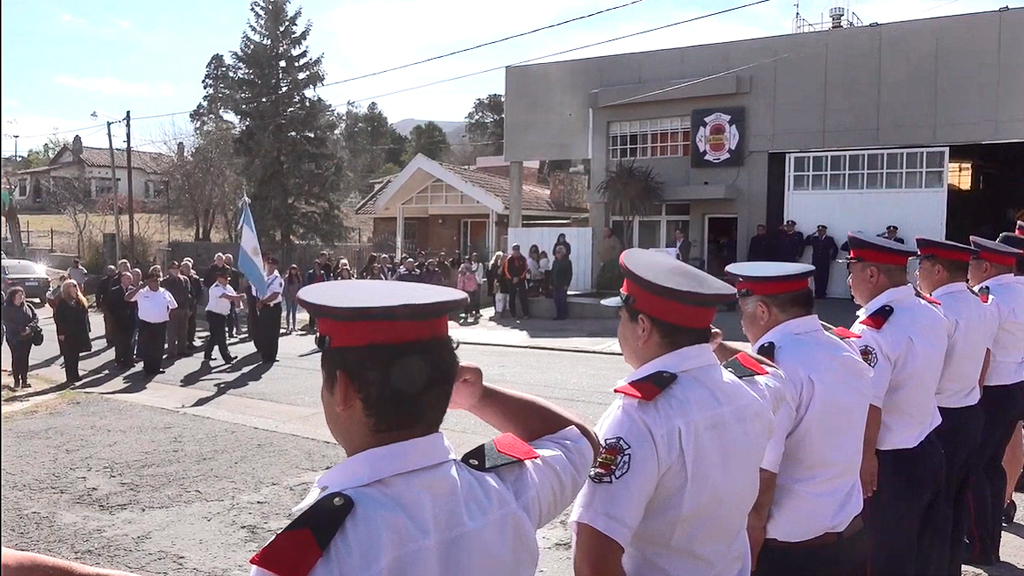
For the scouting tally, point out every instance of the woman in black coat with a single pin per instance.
(71, 316)
(19, 318)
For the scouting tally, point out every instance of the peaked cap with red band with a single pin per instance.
(877, 250)
(929, 248)
(769, 278)
(668, 290)
(352, 313)
(1012, 240)
(297, 548)
(994, 252)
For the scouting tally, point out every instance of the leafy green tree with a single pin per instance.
(371, 143)
(290, 153)
(428, 139)
(631, 191)
(485, 125)
(41, 156)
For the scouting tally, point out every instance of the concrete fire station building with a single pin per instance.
(918, 124)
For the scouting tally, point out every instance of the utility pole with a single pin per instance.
(15, 148)
(113, 188)
(131, 194)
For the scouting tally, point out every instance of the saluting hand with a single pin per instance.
(716, 337)
(469, 387)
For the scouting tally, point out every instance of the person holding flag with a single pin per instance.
(250, 263)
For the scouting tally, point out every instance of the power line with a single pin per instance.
(527, 61)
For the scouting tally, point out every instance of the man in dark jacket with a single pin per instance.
(122, 314)
(516, 270)
(760, 249)
(408, 272)
(561, 278)
(823, 251)
(790, 246)
(235, 281)
(177, 327)
(103, 288)
(196, 291)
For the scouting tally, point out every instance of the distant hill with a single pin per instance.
(456, 129)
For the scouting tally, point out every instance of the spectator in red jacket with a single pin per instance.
(516, 270)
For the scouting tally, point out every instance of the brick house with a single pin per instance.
(445, 208)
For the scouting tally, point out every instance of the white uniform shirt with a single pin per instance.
(818, 441)
(154, 306)
(217, 304)
(907, 355)
(974, 326)
(275, 284)
(687, 476)
(419, 510)
(1007, 364)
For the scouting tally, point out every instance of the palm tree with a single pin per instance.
(631, 191)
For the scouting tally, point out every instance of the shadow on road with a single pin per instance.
(241, 381)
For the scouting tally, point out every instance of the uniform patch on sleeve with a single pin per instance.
(612, 463)
(501, 451)
(868, 355)
(983, 294)
(297, 549)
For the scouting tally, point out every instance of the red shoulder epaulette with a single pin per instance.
(648, 387)
(878, 318)
(927, 298)
(744, 365)
(297, 549)
(984, 294)
(843, 333)
(501, 451)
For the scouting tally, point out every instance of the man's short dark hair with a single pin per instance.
(956, 268)
(403, 387)
(791, 304)
(675, 336)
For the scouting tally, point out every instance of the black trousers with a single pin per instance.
(19, 360)
(152, 337)
(71, 365)
(959, 435)
(904, 516)
(846, 557)
(561, 302)
(821, 274)
(218, 335)
(252, 319)
(124, 335)
(1003, 407)
(518, 289)
(269, 331)
(233, 320)
(190, 338)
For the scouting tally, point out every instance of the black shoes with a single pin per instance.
(1009, 512)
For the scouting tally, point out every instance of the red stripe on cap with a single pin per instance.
(290, 553)
(771, 286)
(512, 446)
(342, 334)
(879, 256)
(999, 258)
(946, 253)
(671, 311)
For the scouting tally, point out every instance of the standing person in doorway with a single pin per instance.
(823, 251)
(292, 283)
(217, 310)
(71, 316)
(20, 322)
(124, 315)
(177, 325)
(790, 244)
(682, 246)
(515, 271)
(155, 305)
(270, 313)
(760, 248)
(561, 278)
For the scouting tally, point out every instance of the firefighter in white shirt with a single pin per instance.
(403, 502)
(942, 275)
(682, 443)
(1002, 396)
(808, 510)
(904, 339)
(269, 310)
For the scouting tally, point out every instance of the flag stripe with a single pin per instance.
(250, 258)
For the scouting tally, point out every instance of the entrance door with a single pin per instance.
(720, 231)
(474, 238)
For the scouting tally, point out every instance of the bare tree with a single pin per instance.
(71, 195)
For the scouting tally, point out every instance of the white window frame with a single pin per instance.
(439, 193)
(645, 132)
(661, 217)
(867, 170)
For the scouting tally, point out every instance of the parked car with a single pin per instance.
(27, 274)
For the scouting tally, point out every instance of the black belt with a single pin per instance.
(825, 539)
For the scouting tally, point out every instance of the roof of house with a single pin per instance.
(536, 197)
(153, 162)
(365, 206)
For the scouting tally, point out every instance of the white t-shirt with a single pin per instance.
(217, 304)
(974, 327)
(1007, 295)
(683, 470)
(818, 441)
(154, 306)
(906, 354)
(419, 510)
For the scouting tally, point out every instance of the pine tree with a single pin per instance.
(291, 154)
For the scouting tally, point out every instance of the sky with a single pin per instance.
(62, 60)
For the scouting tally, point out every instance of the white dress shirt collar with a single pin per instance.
(676, 361)
(950, 288)
(801, 325)
(890, 295)
(378, 463)
(1007, 278)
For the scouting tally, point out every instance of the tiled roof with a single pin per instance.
(152, 162)
(366, 205)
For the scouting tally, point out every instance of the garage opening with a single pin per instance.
(985, 191)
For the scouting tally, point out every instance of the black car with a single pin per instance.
(27, 274)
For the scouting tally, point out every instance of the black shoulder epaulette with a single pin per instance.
(878, 318)
(767, 351)
(744, 365)
(649, 387)
(501, 451)
(926, 298)
(297, 548)
(984, 294)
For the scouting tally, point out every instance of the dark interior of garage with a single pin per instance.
(986, 190)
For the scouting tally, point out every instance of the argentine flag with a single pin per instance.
(250, 259)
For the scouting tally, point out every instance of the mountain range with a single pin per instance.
(454, 130)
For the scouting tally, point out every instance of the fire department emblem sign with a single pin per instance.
(612, 463)
(717, 139)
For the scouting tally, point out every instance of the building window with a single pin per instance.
(922, 169)
(659, 138)
(656, 230)
(438, 193)
(960, 174)
(22, 188)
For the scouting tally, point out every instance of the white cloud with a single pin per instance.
(124, 23)
(10, 103)
(69, 18)
(115, 87)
